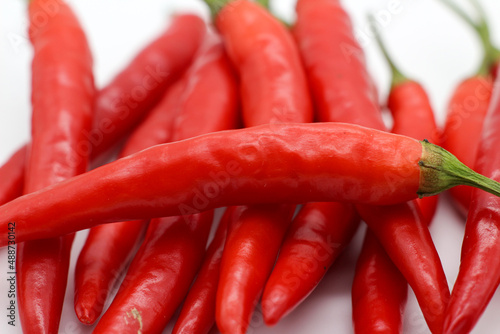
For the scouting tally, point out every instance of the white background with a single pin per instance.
(427, 42)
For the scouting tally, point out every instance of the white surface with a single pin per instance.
(427, 42)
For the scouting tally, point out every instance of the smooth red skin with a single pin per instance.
(318, 234)
(413, 116)
(160, 275)
(335, 63)
(12, 176)
(122, 104)
(62, 100)
(198, 311)
(250, 236)
(402, 231)
(379, 291)
(342, 91)
(191, 107)
(479, 274)
(462, 132)
(287, 163)
(273, 84)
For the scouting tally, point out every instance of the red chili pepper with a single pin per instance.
(273, 90)
(158, 277)
(318, 234)
(198, 312)
(379, 291)
(176, 117)
(62, 99)
(241, 277)
(135, 90)
(462, 132)
(479, 273)
(281, 163)
(12, 176)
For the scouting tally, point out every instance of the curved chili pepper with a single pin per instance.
(241, 278)
(157, 279)
(62, 99)
(282, 163)
(136, 89)
(379, 290)
(176, 117)
(12, 176)
(273, 90)
(198, 312)
(318, 234)
(479, 273)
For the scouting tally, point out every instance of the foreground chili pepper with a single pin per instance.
(62, 99)
(318, 234)
(12, 176)
(156, 282)
(120, 104)
(282, 163)
(176, 117)
(274, 90)
(198, 312)
(479, 273)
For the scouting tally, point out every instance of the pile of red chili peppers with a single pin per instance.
(245, 153)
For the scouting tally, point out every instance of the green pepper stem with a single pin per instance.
(491, 54)
(441, 170)
(397, 76)
(264, 3)
(216, 5)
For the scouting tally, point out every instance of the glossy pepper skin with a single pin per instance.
(318, 234)
(343, 92)
(109, 247)
(62, 102)
(135, 90)
(12, 176)
(462, 131)
(273, 90)
(198, 311)
(273, 85)
(190, 107)
(156, 281)
(258, 165)
(379, 291)
(479, 273)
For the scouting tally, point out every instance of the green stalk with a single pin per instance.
(441, 170)
(216, 5)
(264, 3)
(398, 77)
(491, 53)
